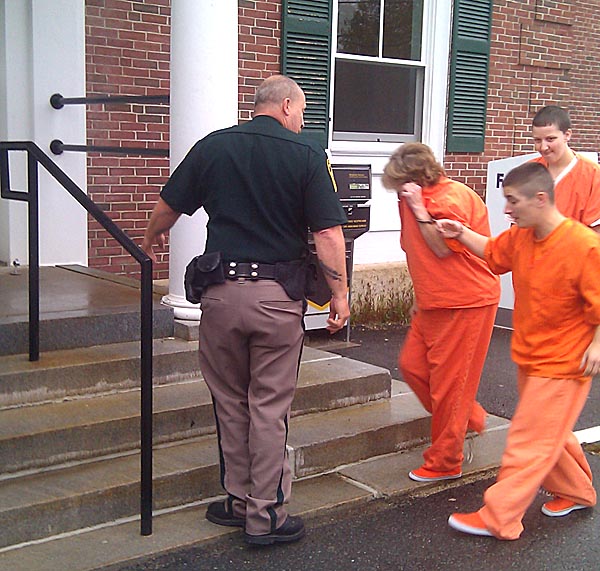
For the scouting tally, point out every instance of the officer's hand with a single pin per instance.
(339, 313)
(148, 242)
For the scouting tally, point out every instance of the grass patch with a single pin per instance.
(593, 448)
(384, 307)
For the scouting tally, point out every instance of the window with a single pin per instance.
(379, 73)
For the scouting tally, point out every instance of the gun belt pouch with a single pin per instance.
(202, 271)
(292, 276)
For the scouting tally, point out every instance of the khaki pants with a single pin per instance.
(441, 360)
(541, 451)
(251, 337)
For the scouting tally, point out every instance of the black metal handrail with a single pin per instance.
(58, 101)
(58, 147)
(34, 156)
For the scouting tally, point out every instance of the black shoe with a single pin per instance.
(291, 530)
(217, 513)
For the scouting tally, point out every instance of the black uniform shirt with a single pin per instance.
(262, 187)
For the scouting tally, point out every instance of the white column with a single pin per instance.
(204, 97)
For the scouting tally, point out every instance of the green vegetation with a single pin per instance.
(391, 305)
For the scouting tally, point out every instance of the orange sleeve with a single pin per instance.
(499, 251)
(465, 205)
(590, 286)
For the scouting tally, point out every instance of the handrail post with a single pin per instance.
(146, 398)
(34, 258)
(34, 156)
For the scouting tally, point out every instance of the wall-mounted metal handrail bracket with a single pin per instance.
(58, 101)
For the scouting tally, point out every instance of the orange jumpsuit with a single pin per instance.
(557, 311)
(445, 348)
(577, 191)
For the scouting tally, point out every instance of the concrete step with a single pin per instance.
(79, 307)
(32, 437)
(84, 330)
(87, 494)
(120, 542)
(89, 370)
(322, 442)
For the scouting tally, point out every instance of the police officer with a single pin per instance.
(263, 187)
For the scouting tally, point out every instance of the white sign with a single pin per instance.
(496, 171)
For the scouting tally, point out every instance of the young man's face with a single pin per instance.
(551, 142)
(520, 209)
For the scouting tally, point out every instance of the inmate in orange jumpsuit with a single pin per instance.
(577, 190)
(557, 311)
(445, 348)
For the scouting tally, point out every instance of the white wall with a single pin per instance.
(382, 242)
(43, 49)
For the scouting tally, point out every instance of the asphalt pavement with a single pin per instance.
(411, 533)
(497, 390)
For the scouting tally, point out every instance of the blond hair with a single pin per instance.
(412, 162)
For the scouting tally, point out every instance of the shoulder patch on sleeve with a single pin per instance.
(331, 175)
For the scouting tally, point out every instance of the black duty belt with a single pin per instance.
(249, 270)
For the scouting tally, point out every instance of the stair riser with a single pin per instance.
(62, 516)
(327, 455)
(92, 440)
(84, 331)
(87, 442)
(90, 378)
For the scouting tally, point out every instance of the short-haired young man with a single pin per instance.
(556, 344)
(576, 179)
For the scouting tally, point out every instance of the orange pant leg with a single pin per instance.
(540, 449)
(441, 360)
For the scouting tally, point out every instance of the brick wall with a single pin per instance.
(259, 48)
(127, 53)
(542, 52)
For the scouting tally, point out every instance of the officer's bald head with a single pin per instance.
(273, 90)
(281, 98)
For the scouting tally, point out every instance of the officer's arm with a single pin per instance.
(162, 219)
(331, 251)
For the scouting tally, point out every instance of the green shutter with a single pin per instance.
(469, 70)
(306, 58)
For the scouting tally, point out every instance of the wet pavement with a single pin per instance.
(497, 390)
(411, 533)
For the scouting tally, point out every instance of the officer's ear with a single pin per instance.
(285, 106)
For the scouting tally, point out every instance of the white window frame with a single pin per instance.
(435, 53)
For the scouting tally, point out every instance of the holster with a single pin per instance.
(202, 271)
(295, 277)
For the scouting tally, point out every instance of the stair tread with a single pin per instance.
(65, 358)
(77, 412)
(188, 455)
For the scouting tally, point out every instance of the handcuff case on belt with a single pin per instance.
(202, 271)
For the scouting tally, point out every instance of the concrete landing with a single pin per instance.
(79, 307)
